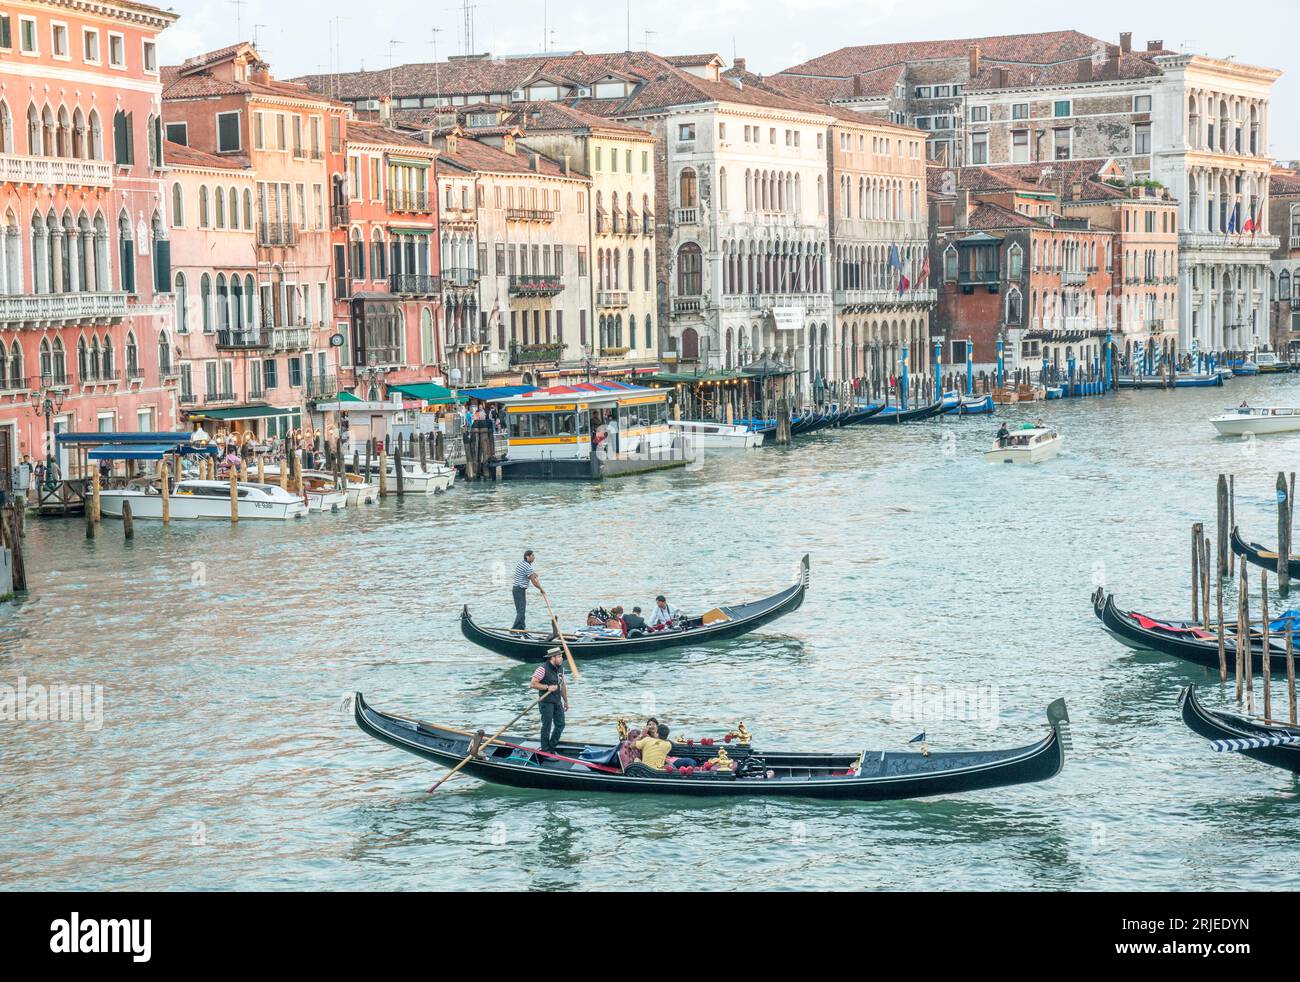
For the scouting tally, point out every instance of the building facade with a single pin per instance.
(1284, 274)
(86, 310)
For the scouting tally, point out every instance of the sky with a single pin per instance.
(328, 35)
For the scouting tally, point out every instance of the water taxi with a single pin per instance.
(1251, 420)
(589, 431)
(319, 489)
(1029, 445)
(429, 478)
(707, 435)
(1270, 364)
(204, 500)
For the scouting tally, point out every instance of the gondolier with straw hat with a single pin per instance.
(554, 701)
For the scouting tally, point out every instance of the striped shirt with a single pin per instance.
(523, 573)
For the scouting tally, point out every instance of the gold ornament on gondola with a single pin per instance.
(622, 730)
(722, 762)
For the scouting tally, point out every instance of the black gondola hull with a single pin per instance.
(1257, 555)
(883, 777)
(906, 416)
(1120, 625)
(1228, 726)
(747, 617)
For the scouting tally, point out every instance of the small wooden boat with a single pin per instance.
(204, 500)
(1030, 445)
(1274, 744)
(1257, 555)
(889, 415)
(1188, 642)
(955, 404)
(1210, 380)
(720, 623)
(868, 775)
(708, 435)
(1257, 420)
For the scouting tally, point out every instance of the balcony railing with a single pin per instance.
(529, 215)
(340, 214)
(1074, 277)
(317, 153)
(55, 171)
(419, 202)
(537, 285)
(460, 277)
(607, 298)
(290, 338)
(532, 354)
(187, 397)
(13, 386)
(276, 234)
(883, 298)
(251, 339)
(58, 309)
(688, 216)
(648, 226)
(978, 277)
(414, 284)
(101, 376)
(688, 305)
(322, 387)
(219, 396)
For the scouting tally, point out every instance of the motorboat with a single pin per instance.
(1028, 445)
(707, 435)
(204, 500)
(428, 478)
(319, 488)
(1270, 364)
(1254, 420)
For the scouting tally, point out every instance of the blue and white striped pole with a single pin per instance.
(902, 396)
(970, 365)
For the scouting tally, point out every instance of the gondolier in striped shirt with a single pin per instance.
(525, 573)
(554, 699)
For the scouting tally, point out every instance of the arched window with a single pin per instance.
(178, 206)
(182, 304)
(690, 267)
(1015, 262)
(950, 265)
(688, 188)
(233, 198)
(15, 359)
(647, 272)
(1014, 305)
(205, 217)
(722, 189)
(358, 255)
(205, 302)
(649, 334)
(631, 270)
(95, 145)
(132, 357)
(1284, 286)
(221, 207)
(6, 131)
(248, 209)
(164, 354)
(631, 331)
(428, 350)
(107, 358)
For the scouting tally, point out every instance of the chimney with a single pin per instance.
(857, 85)
(1126, 42)
(974, 60)
(260, 73)
(385, 110)
(1155, 45)
(1085, 70)
(1003, 74)
(564, 165)
(1076, 191)
(533, 162)
(738, 64)
(961, 213)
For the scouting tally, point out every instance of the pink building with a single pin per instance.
(86, 309)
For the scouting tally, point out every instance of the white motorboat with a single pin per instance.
(1251, 420)
(1026, 446)
(705, 435)
(320, 489)
(433, 477)
(204, 500)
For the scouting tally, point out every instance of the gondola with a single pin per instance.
(1257, 555)
(1269, 743)
(889, 415)
(861, 414)
(1187, 642)
(727, 621)
(869, 775)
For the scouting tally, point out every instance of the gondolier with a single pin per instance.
(554, 702)
(525, 574)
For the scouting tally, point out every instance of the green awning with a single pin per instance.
(242, 412)
(347, 397)
(430, 392)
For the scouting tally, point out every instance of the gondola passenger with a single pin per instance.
(663, 615)
(635, 623)
(653, 750)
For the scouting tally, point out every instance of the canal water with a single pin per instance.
(225, 759)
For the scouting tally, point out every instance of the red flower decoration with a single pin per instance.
(727, 738)
(690, 743)
(707, 741)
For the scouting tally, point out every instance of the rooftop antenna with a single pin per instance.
(256, 28)
(239, 20)
(391, 45)
(546, 25)
(648, 35)
(437, 72)
(629, 25)
(469, 9)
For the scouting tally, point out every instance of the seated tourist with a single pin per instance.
(663, 614)
(675, 762)
(634, 622)
(616, 622)
(653, 750)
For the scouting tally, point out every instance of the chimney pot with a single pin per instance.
(974, 60)
(1126, 42)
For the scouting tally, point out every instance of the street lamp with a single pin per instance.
(48, 400)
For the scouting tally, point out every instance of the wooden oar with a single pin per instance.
(555, 623)
(470, 756)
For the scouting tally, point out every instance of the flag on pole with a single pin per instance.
(925, 269)
(1232, 222)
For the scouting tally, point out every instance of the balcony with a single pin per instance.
(605, 298)
(688, 305)
(1074, 277)
(529, 215)
(61, 309)
(102, 376)
(537, 285)
(416, 202)
(270, 234)
(1221, 241)
(883, 299)
(317, 153)
(187, 398)
(414, 284)
(340, 214)
(18, 386)
(290, 338)
(687, 216)
(458, 216)
(214, 397)
(248, 340)
(459, 278)
(978, 277)
(55, 171)
(534, 354)
(323, 387)
(648, 226)
(762, 301)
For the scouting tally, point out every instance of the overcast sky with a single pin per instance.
(300, 38)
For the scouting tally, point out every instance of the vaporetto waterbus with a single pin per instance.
(589, 431)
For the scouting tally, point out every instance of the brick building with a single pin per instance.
(1284, 273)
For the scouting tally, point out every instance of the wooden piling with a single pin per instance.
(1232, 520)
(424, 453)
(369, 447)
(439, 446)
(234, 497)
(1268, 658)
(1221, 528)
(383, 474)
(284, 467)
(398, 471)
(1290, 673)
(1283, 537)
(90, 521)
(128, 523)
(1242, 633)
(165, 486)
(94, 493)
(9, 520)
(1205, 581)
(1223, 657)
(261, 469)
(1197, 529)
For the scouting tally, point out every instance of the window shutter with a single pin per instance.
(162, 265)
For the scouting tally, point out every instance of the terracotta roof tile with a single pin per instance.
(179, 155)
